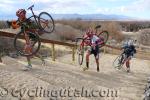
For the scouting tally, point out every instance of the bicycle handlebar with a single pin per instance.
(31, 7)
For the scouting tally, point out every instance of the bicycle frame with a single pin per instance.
(33, 15)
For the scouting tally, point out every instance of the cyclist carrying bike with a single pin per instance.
(31, 27)
(129, 51)
(94, 43)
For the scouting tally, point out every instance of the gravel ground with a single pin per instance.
(65, 80)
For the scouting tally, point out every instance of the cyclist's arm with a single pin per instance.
(87, 40)
(15, 24)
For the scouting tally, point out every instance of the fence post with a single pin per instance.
(73, 53)
(53, 52)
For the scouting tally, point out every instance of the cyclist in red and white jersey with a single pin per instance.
(93, 41)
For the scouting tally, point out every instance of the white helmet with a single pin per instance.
(130, 42)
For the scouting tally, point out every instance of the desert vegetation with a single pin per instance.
(71, 29)
(112, 27)
(144, 37)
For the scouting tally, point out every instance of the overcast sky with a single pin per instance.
(131, 8)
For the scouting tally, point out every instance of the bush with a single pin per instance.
(3, 24)
(114, 30)
(6, 46)
(112, 27)
(62, 33)
(144, 37)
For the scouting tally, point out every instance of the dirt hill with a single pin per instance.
(64, 76)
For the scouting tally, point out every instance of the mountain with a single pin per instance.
(76, 16)
(91, 17)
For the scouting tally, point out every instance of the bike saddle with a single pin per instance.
(98, 26)
(31, 7)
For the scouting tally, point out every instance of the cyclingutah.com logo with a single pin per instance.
(3, 92)
(68, 92)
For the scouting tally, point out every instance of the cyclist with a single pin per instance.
(30, 26)
(94, 43)
(129, 51)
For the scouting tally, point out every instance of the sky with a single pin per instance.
(132, 8)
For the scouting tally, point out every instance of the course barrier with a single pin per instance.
(107, 48)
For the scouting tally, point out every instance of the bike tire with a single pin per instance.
(19, 43)
(104, 35)
(117, 62)
(44, 16)
(80, 55)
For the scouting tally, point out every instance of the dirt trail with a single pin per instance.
(66, 75)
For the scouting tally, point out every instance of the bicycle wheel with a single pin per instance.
(46, 22)
(118, 62)
(104, 37)
(20, 43)
(80, 52)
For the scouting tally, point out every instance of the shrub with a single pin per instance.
(112, 27)
(144, 37)
(114, 30)
(3, 24)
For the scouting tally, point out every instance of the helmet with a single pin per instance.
(21, 12)
(130, 42)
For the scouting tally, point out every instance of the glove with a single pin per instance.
(14, 24)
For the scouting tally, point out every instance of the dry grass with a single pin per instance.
(3, 24)
(112, 27)
(7, 48)
(144, 37)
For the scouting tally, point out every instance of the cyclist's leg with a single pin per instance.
(87, 58)
(96, 54)
(29, 60)
(29, 66)
(29, 50)
(128, 63)
(97, 61)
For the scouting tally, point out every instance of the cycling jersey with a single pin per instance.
(94, 45)
(129, 50)
(92, 39)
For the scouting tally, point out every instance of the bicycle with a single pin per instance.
(103, 35)
(120, 60)
(31, 43)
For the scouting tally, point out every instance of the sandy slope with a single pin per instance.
(66, 75)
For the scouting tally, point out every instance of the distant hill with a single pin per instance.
(78, 16)
(91, 17)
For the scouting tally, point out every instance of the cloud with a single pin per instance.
(77, 6)
(64, 6)
(140, 5)
(133, 7)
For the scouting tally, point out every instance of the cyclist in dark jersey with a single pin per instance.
(129, 51)
(94, 48)
(31, 27)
